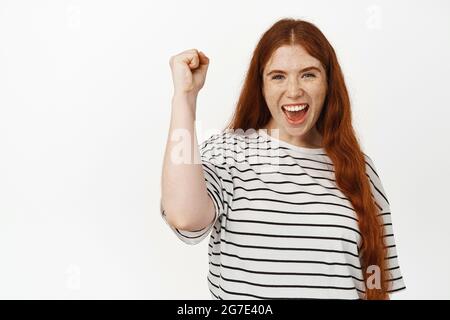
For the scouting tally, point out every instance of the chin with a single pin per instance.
(299, 131)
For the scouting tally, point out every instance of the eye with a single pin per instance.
(276, 76)
(309, 75)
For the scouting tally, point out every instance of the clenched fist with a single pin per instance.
(189, 71)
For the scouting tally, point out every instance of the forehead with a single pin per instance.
(291, 58)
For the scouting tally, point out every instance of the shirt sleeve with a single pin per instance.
(218, 182)
(395, 278)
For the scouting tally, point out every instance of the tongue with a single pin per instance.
(295, 115)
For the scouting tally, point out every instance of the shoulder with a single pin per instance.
(371, 170)
(229, 139)
(375, 181)
(228, 147)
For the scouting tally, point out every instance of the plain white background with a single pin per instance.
(85, 91)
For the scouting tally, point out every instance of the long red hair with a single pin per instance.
(335, 126)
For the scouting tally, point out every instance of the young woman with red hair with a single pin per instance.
(294, 207)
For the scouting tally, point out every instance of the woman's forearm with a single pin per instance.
(184, 196)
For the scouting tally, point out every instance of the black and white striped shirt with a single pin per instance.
(282, 229)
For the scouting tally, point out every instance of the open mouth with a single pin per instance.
(295, 114)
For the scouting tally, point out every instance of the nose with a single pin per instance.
(294, 88)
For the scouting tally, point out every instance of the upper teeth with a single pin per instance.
(295, 108)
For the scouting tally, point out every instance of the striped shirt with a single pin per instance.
(282, 228)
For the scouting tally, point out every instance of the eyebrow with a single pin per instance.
(284, 72)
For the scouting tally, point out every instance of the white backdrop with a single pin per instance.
(85, 92)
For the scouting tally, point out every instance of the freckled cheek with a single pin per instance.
(273, 97)
(318, 95)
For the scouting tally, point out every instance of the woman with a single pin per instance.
(294, 207)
